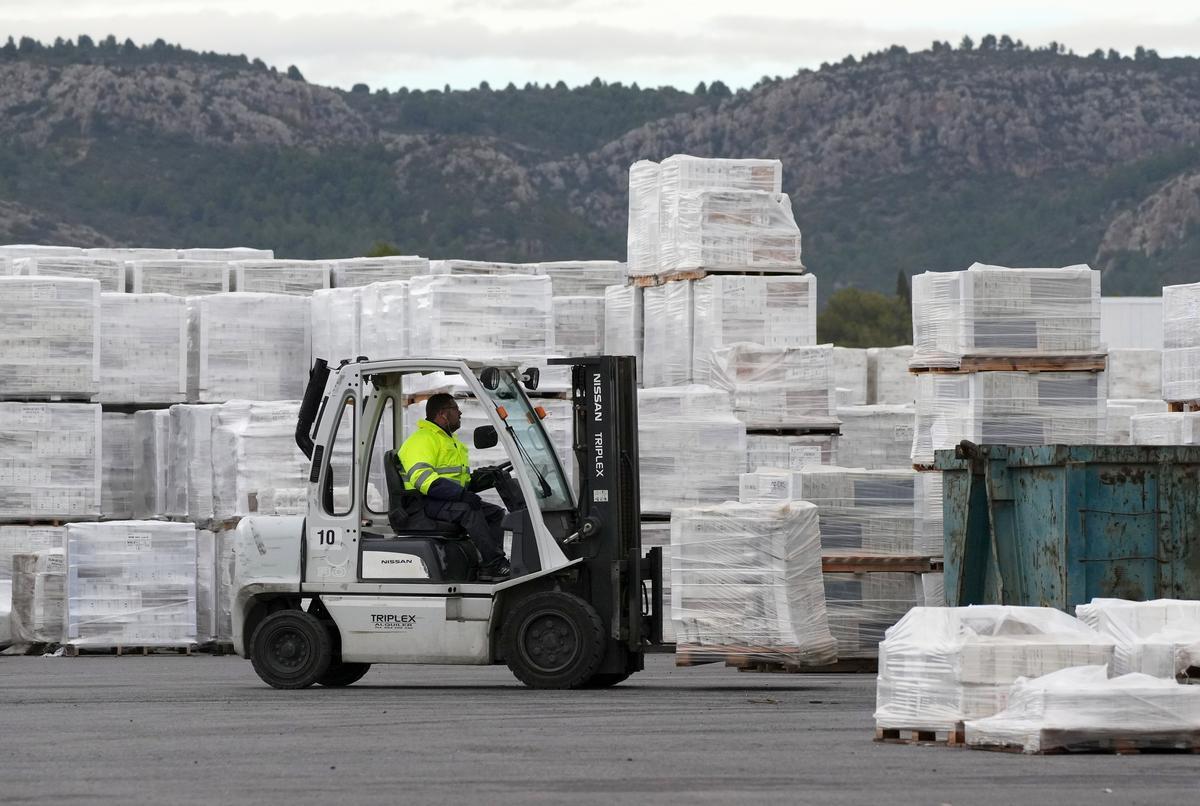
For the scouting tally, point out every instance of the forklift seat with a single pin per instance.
(406, 513)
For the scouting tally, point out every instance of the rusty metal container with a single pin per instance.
(1057, 525)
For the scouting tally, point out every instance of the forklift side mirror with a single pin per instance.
(485, 437)
(531, 377)
(490, 378)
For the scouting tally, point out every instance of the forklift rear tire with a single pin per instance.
(291, 649)
(343, 674)
(553, 640)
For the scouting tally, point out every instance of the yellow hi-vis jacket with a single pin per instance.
(431, 454)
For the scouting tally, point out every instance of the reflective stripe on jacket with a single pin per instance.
(430, 454)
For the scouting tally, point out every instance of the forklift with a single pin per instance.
(357, 581)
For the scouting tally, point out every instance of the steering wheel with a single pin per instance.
(503, 467)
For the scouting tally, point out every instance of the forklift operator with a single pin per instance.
(436, 465)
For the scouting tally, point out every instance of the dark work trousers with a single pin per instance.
(483, 523)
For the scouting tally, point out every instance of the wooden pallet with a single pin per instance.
(1091, 362)
(1115, 742)
(217, 648)
(680, 275)
(765, 659)
(1183, 405)
(951, 738)
(79, 651)
(841, 666)
(871, 563)
(925, 468)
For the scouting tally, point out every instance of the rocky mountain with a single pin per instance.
(900, 161)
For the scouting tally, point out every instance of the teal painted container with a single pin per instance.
(1057, 525)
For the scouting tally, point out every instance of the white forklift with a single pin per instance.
(318, 600)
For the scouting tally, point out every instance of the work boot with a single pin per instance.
(495, 571)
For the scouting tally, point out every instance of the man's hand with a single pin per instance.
(483, 478)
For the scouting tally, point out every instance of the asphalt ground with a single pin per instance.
(173, 729)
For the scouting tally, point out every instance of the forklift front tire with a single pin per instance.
(553, 640)
(291, 649)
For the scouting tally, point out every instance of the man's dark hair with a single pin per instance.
(437, 404)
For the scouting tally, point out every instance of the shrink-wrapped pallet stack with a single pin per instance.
(876, 437)
(481, 316)
(1119, 417)
(143, 348)
(152, 435)
(121, 452)
(336, 324)
(38, 597)
(623, 325)
(49, 338)
(578, 325)
(51, 461)
(108, 272)
(17, 540)
(778, 387)
(1160, 638)
(360, 271)
(189, 480)
(257, 468)
(790, 451)
(850, 374)
(1181, 343)
(383, 320)
(183, 278)
(298, 277)
(583, 278)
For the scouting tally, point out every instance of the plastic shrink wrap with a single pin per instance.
(109, 273)
(642, 238)
(579, 325)
(131, 583)
(206, 586)
(1135, 322)
(1135, 374)
(1168, 428)
(876, 436)
(928, 491)
(888, 380)
(1081, 707)
(122, 452)
(692, 449)
(383, 320)
(224, 585)
(18, 540)
(790, 451)
(49, 338)
(732, 229)
(336, 324)
(254, 454)
(189, 479)
(182, 278)
(297, 277)
(360, 271)
(20, 250)
(746, 579)
(1160, 638)
(657, 534)
(482, 267)
(850, 375)
(778, 387)
(123, 254)
(862, 511)
(767, 311)
(1000, 311)
(1119, 414)
(248, 347)
(1181, 342)
(38, 597)
(941, 665)
(667, 334)
(50, 461)
(861, 607)
(152, 432)
(143, 348)
(226, 253)
(583, 278)
(1008, 408)
(481, 316)
(623, 323)
(933, 587)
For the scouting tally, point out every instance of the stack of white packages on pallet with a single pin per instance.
(1119, 414)
(778, 387)
(38, 596)
(667, 334)
(49, 338)
(583, 278)
(206, 586)
(183, 278)
(579, 325)
(360, 271)
(383, 325)
(224, 585)
(143, 348)
(123, 254)
(230, 253)
(1134, 374)
(876, 436)
(790, 451)
(122, 453)
(888, 380)
(15, 540)
(51, 462)
(1008, 408)
(991, 310)
(20, 250)
(131, 583)
(928, 492)
(109, 273)
(299, 277)
(657, 534)
(746, 580)
(642, 235)
(733, 229)
(336, 320)
(152, 432)
(850, 375)
(1160, 638)
(692, 449)
(481, 316)
(189, 482)
(1167, 428)
(482, 267)
(1181, 343)
(933, 586)
(255, 459)
(248, 346)
(941, 665)
(1083, 709)
(623, 323)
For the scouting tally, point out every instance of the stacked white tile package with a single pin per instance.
(1167, 428)
(642, 237)
(850, 375)
(15, 540)
(244, 346)
(992, 310)
(20, 250)
(583, 278)
(6, 266)
(143, 348)
(1160, 638)
(933, 586)
(383, 326)
(888, 380)
(482, 267)
(226, 253)
(1119, 414)
(51, 461)
(862, 511)
(1008, 408)
(928, 493)
(122, 452)
(189, 493)
(109, 273)
(254, 454)
(38, 596)
(182, 278)
(657, 534)
(131, 583)
(623, 323)
(692, 449)
(746, 580)
(360, 271)
(122, 254)
(862, 606)
(778, 387)
(1181, 343)
(733, 229)
(790, 451)
(1082, 707)
(206, 586)
(1135, 322)
(579, 325)
(941, 665)
(224, 585)
(49, 338)
(481, 316)
(152, 433)
(336, 324)
(667, 334)
(1134, 374)
(299, 277)
(876, 436)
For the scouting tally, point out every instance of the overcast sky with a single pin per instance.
(677, 42)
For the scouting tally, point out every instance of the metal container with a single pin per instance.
(1057, 525)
